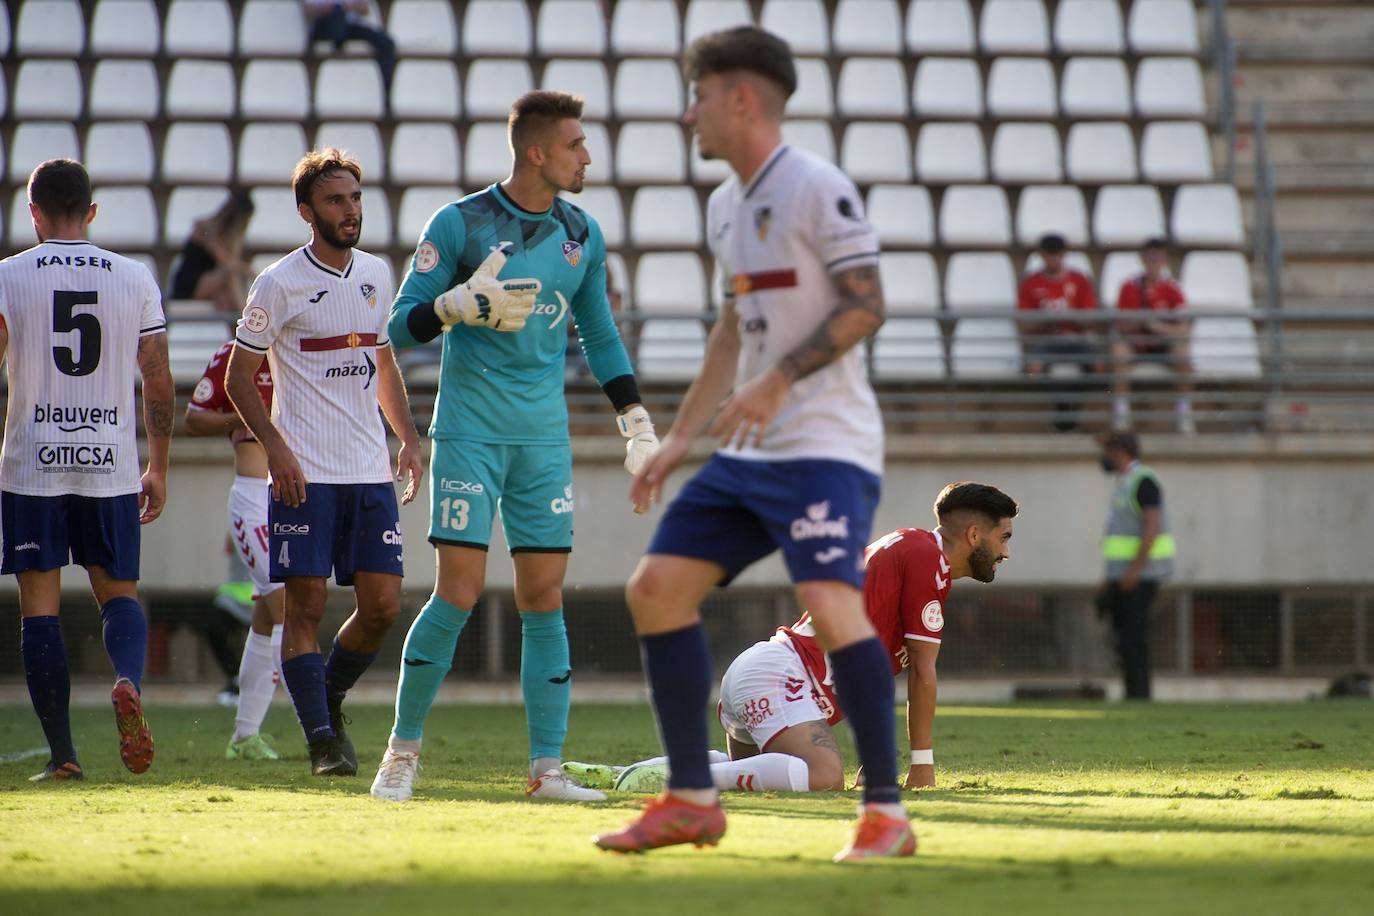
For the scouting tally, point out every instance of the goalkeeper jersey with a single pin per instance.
(500, 387)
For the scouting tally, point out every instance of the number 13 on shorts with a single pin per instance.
(453, 513)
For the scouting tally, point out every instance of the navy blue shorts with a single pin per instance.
(39, 533)
(735, 512)
(343, 527)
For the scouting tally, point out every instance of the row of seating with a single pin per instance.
(637, 27)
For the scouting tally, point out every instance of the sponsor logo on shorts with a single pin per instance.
(562, 504)
(75, 419)
(819, 524)
(84, 458)
(289, 530)
(826, 707)
(830, 554)
(392, 536)
(933, 616)
(450, 485)
(756, 711)
(31, 545)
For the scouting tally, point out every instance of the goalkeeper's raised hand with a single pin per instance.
(484, 301)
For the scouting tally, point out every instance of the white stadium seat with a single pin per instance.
(20, 234)
(868, 27)
(946, 87)
(910, 283)
(487, 156)
(1126, 215)
(1207, 215)
(1169, 87)
(199, 28)
(1025, 153)
(53, 28)
(939, 27)
(801, 23)
(275, 223)
(1096, 87)
(1175, 151)
(270, 28)
(975, 216)
(708, 173)
(423, 28)
(417, 206)
(902, 215)
(1118, 267)
(1225, 348)
(907, 349)
(119, 152)
(123, 89)
(125, 27)
(1097, 153)
(1051, 208)
(813, 98)
(36, 141)
(572, 27)
(130, 218)
(362, 141)
(645, 28)
(669, 281)
(1217, 280)
(350, 89)
(873, 152)
(4, 30)
(985, 348)
(650, 151)
(190, 344)
(603, 203)
(493, 84)
(48, 89)
(197, 153)
(4, 94)
(184, 207)
(950, 152)
(425, 89)
(496, 28)
(598, 143)
(1014, 27)
(277, 89)
(376, 219)
(872, 87)
(665, 218)
(586, 78)
(977, 281)
(1088, 27)
(1163, 27)
(648, 89)
(670, 349)
(705, 16)
(812, 136)
(269, 152)
(1021, 87)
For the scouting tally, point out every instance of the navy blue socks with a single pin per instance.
(49, 679)
(304, 677)
(864, 688)
(678, 665)
(344, 669)
(126, 637)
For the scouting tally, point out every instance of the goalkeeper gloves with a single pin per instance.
(486, 302)
(636, 426)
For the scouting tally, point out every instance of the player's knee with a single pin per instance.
(645, 588)
(539, 598)
(826, 773)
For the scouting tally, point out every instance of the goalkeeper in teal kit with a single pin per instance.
(498, 274)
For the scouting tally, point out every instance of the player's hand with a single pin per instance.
(288, 480)
(746, 413)
(1129, 579)
(486, 302)
(635, 425)
(410, 467)
(152, 498)
(647, 486)
(921, 776)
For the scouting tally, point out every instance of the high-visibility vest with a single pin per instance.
(1121, 542)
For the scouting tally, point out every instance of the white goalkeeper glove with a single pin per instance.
(486, 302)
(636, 426)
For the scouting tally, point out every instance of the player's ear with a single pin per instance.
(306, 213)
(90, 214)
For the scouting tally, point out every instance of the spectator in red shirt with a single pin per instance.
(1055, 288)
(1163, 336)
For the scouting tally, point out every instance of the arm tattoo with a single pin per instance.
(822, 736)
(859, 314)
(158, 407)
(157, 418)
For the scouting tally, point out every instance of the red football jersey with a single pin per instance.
(1163, 295)
(906, 582)
(1070, 291)
(210, 394)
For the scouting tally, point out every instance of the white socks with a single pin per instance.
(763, 773)
(259, 672)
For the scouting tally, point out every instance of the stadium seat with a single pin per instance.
(977, 281)
(868, 27)
(813, 98)
(417, 206)
(191, 343)
(665, 218)
(1088, 27)
(199, 28)
(123, 89)
(975, 216)
(350, 89)
(1097, 153)
(908, 349)
(669, 281)
(493, 84)
(423, 28)
(947, 153)
(185, 206)
(713, 15)
(603, 203)
(1225, 348)
(487, 156)
(645, 28)
(269, 152)
(586, 78)
(873, 152)
(985, 348)
(598, 144)
(1169, 87)
(1014, 27)
(1127, 215)
(270, 28)
(813, 136)
(275, 223)
(670, 349)
(1021, 87)
(48, 89)
(1096, 87)
(425, 89)
(1217, 280)
(279, 89)
(35, 141)
(620, 278)
(902, 215)
(1117, 268)
(1172, 152)
(708, 173)
(650, 151)
(909, 282)
(53, 28)
(4, 30)
(571, 27)
(361, 140)
(376, 235)
(947, 87)
(20, 229)
(1051, 208)
(119, 152)
(648, 89)
(1163, 27)
(872, 87)
(496, 28)
(197, 153)
(4, 95)
(1025, 153)
(801, 23)
(125, 27)
(939, 27)
(1207, 215)
(130, 218)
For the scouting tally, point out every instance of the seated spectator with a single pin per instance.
(339, 20)
(1054, 288)
(1163, 336)
(210, 265)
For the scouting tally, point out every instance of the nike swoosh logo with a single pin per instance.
(561, 680)
(416, 662)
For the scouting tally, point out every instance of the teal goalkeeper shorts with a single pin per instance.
(530, 485)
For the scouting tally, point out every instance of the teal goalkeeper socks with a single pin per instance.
(545, 680)
(426, 658)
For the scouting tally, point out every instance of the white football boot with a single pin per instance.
(396, 776)
(556, 785)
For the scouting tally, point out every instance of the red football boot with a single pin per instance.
(667, 821)
(135, 742)
(879, 836)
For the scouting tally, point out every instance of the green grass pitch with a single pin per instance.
(1054, 809)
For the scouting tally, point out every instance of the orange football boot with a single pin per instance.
(667, 821)
(135, 741)
(878, 836)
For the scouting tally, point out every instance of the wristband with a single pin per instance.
(924, 757)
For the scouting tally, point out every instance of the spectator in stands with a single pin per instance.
(1163, 336)
(1054, 288)
(210, 265)
(339, 20)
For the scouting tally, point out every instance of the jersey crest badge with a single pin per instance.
(763, 218)
(369, 293)
(572, 252)
(933, 616)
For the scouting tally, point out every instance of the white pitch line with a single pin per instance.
(23, 755)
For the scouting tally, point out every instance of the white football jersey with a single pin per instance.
(321, 329)
(776, 242)
(75, 315)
